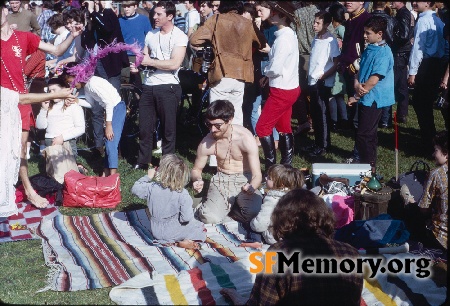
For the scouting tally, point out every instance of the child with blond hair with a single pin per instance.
(170, 205)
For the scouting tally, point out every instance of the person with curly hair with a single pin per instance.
(302, 222)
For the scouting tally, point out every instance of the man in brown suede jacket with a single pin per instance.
(231, 36)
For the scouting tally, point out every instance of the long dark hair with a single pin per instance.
(61, 83)
(301, 213)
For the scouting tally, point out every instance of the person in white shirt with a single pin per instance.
(62, 123)
(99, 90)
(321, 77)
(426, 68)
(192, 17)
(165, 48)
(282, 75)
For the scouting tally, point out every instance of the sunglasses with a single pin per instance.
(209, 125)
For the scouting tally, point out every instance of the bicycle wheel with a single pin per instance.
(131, 95)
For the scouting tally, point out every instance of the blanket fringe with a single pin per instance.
(55, 268)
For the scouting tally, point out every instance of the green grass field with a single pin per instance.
(22, 263)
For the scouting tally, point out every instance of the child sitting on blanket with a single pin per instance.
(170, 205)
(280, 180)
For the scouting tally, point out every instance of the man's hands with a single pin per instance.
(58, 140)
(411, 80)
(109, 131)
(198, 185)
(151, 173)
(360, 90)
(133, 68)
(248, 188)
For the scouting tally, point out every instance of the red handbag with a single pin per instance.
(91, 191)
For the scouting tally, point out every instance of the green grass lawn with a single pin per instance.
(23, 270)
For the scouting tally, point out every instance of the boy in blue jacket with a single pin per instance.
(374, 87)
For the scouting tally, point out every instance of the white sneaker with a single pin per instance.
(159, 144)
(158, 151)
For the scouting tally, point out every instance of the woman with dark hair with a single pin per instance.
(62, 123)
(302, 222)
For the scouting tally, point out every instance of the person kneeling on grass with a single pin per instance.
(170, 205)
(99, 89)
(302, 222)
(280, 180)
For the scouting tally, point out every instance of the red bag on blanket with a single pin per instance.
(91, 191)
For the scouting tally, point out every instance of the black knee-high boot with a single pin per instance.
(286, 146)
(270, 155)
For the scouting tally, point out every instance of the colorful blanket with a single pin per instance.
(102, 250)
(22, 226)
(201, 286)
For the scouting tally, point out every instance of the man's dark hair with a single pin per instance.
(169, 7)
(441, 141)
(208, 3)
(325, 16)
(228, 6)
(376, 24)
(220, 109)
(74, 14)
(47, 5)
(55, 22)
(337, 12)
(301, 213)
(58, 81)
(251, 9)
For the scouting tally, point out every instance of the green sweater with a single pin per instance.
(25, 20)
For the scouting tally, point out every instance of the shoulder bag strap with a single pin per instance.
(217, 51)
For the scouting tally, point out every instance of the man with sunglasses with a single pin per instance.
(233, 190)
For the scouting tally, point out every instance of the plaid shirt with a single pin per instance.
(298, 289)
(46, 31)
(436, 196)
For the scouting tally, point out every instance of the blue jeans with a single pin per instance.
(112, 146)
(98, 113)
(337, 108)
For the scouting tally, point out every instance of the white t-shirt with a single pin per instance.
(192, 18)
(67, 122)
(161, 47)
(282, 69)
(321, 59)
(101, 90)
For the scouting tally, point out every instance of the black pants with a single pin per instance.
(366, 136)
(320, 94)
(401, 83)
(425, 94)
(301, 109)
(159, 101)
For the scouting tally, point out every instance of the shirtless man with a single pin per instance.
(233, 190)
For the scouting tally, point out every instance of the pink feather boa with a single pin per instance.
(86, 69)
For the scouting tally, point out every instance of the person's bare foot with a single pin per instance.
(188, 244)
(255, 245)
(37, 200)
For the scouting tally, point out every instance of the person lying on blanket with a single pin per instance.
(280, 179)
(301, 221)
(170, 205)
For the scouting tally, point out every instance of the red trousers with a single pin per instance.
(277, 111)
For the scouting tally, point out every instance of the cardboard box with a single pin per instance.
(353, 172)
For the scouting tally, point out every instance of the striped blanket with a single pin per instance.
(102, 250)
(201, 286)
